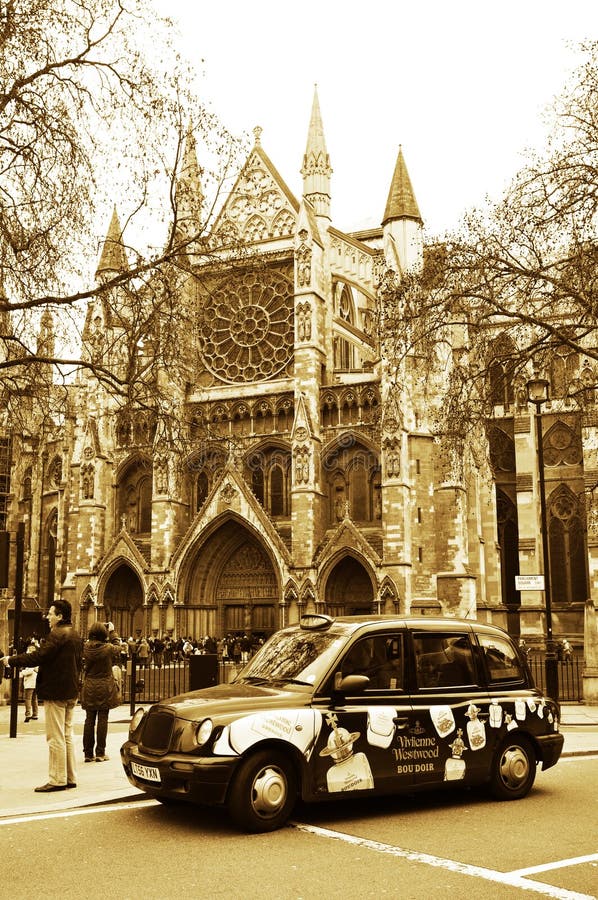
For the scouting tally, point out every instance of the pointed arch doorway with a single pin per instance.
(231, 587)
(123, 602)
(349, 589)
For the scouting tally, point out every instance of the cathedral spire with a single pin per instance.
(189, 193)
(401, 203)
(316, 169)
(402, 225)
(113, 258)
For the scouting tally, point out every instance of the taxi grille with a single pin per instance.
(157, 731)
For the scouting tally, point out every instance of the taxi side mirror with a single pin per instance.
(350, 684)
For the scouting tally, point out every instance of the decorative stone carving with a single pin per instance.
(302, 464)
(55, 472)
(161, 475)
(228, 493)
(87, 481)
(97, 340)
(303, 255)
(392, 456)
(304, 321)
(342, 508)
(246, 326)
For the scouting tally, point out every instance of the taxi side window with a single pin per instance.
(443, 660)
(380, 657)
(501, 659)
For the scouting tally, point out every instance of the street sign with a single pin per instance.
(529, 582)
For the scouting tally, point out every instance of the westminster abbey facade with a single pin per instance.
(296, 492)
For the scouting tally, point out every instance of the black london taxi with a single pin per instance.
(353, 706)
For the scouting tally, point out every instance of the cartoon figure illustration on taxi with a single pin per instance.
(454, 769)
(350, 771)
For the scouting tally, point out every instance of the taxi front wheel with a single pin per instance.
(263, 792)
(513, 769)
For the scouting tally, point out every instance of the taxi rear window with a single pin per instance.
(501, 658)
(443, 660)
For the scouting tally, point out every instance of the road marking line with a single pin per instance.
(507, 878)
(560, 864)
(578, 756)
(78, 811)
(515, 878)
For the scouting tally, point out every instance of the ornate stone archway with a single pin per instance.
(231, 586)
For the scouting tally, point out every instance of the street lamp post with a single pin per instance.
(537, 393)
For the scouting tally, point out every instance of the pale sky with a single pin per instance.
(460, 85)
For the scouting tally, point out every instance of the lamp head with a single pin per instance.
(537, 390)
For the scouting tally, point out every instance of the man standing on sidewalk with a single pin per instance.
(59, 661)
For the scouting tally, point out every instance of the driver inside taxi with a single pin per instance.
(369, 657)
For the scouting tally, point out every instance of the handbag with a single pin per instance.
(115, 696)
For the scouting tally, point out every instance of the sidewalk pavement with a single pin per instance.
(24, 765)
(24, 761)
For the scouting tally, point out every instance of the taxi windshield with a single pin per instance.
(297, 656)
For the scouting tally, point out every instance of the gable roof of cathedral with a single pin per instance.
(401, 202)
(113, 257)
(257, 161)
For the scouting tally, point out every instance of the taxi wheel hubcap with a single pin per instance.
(514, 768)
(269, 791)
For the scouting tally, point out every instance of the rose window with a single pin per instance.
(246, 326)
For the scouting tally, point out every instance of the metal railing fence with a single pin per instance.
(569, 675)
(153, 683)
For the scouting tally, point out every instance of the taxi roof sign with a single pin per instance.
(315, 622)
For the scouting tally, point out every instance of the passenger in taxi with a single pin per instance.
(444, 661)
(459, 666)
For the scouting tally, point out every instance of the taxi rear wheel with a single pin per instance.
(263, 792)
(514, 769)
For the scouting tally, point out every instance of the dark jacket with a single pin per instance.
(99, 689)
(59, 661)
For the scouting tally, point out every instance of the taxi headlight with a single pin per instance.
(137, 719)
(204, 732)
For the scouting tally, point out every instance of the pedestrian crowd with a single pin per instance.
(162, 651)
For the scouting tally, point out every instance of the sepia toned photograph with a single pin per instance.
(299, 449)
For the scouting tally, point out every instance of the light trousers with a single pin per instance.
(59, 735)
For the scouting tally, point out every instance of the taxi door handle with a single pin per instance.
(401, 723)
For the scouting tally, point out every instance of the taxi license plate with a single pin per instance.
(149, 773)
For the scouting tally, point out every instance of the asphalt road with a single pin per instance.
(457, 844)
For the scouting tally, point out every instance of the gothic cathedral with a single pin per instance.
(296, 492)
